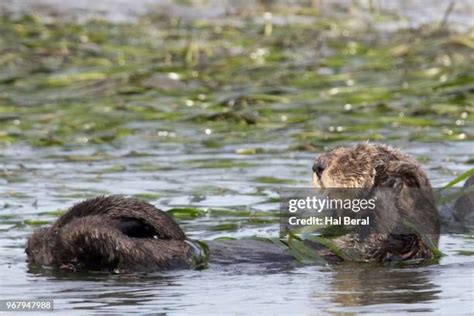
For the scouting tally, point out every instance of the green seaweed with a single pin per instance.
(35, 222)
(147, 196)
(301, 252)
(53, 213)
(465, 252)
(66, 83)
(331, 246)
(201, 253)
(272, 180)
(225, 227)
(187, 212)
(463, 176)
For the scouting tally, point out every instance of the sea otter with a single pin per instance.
(111, 233)
(115, 233)
(406, 222)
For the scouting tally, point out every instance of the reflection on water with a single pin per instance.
(413, 289)
(356, 286)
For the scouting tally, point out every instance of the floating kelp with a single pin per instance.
(303, 253)
(201, 253)
(67, 83)
(188, 212)
(35, 222)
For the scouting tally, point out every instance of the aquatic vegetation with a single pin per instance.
(460, 178)
(72, 84)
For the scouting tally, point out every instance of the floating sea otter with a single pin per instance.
(405, 199)
(115, 233)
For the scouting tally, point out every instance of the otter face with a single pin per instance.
(351, 167)
(36, 247)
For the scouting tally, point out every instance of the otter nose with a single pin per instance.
(318, 169)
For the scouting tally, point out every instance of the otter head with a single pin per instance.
(345, 168)
(37, 248)
(366, 166)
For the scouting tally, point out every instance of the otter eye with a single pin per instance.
(318, 169)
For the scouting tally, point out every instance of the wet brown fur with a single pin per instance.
(410, 198)
(91, 236)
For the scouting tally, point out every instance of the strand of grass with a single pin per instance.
(333, 248)
(200, 257)
(302, 252)
(446, 15)
(460, 178)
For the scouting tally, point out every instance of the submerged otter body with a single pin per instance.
(115, 233)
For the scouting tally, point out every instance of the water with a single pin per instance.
(413, 13)
(46, 181)
(309, 290)
(212, 163)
